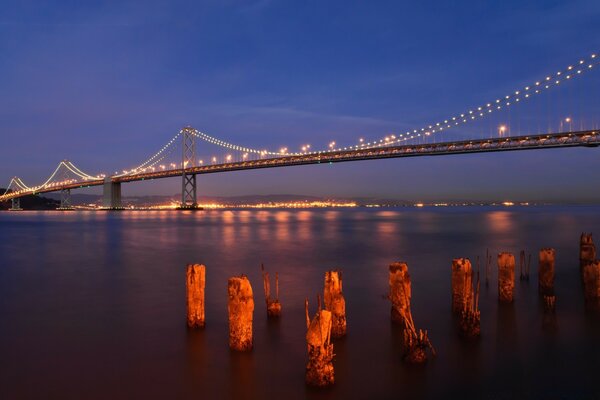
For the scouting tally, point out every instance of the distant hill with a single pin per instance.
(32, 203)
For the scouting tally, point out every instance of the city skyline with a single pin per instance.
(108, 86)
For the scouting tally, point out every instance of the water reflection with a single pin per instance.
(81, 291)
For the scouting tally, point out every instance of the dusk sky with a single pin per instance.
(107, 84)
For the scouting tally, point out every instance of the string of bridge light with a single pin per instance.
(79, 172)
(18, 183)
(231, 146)
(22, 187)
(152, 160)
(76, 171)
(481, 111)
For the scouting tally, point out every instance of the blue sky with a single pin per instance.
(106, 84)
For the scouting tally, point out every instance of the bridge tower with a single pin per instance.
(188, 180)
(65, 194)
(65, 200)
(16, 204)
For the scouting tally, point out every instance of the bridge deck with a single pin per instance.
(529, 142)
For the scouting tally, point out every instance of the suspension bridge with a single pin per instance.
(409, 143)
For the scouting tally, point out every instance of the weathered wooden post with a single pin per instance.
(587, 250)
(506, 277)
(461, 284)
(195, 283)
(241, 309)
(591, 281)
(273, 305)
(319, 369)
(414, 342)
(335, 302)
(546, 271)
(465, 297)
(399, 281)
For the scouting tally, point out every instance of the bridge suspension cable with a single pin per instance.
(18, 184)
(497, 104)
(69, 166)
(479, 112)
(155, 159)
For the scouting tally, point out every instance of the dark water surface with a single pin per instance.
(92, 304)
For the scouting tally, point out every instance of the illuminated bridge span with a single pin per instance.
(112, 185)
(188, 165)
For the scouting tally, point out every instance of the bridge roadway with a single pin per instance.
(529, 142)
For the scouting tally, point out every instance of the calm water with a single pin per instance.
(92, 305)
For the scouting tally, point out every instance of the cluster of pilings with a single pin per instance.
(330, 323)
(240, 304)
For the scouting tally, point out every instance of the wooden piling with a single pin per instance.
(461, 284)
(335, 302)
(319, 369)
(241, 308)
(587, 250)
(415, 343)
(506, 277)
(546, 271)
(470, 316)
(399, 281)
(273, 305)
(195, 284)
(591, 281)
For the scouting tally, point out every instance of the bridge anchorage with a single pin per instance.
(111, 198)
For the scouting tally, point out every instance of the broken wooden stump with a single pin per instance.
(587, 250)
(273, 305)
(591, 282)
(415, 343)
(470, 316)
(195, 284)
(461, 284)
(319, 369)
(335, 302)
(546, 271)
(506, 277)
(241, 308)
(399, 281)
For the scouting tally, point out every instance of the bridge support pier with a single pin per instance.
(16, 204)
(65, 200)
(112, 195)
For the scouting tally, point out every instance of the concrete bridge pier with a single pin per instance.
(16, 204)
(112, 195)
